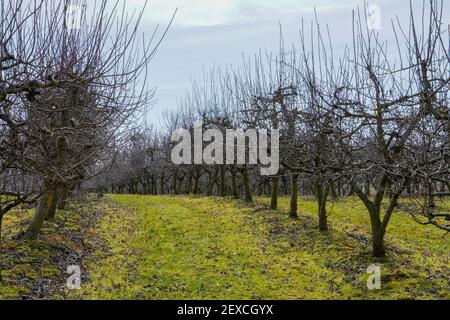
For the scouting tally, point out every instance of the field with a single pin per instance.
(180, 247)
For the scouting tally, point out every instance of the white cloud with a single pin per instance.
(200, 13)
(191, 13)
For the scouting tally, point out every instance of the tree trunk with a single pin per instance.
(180, 185)
(260, 187)
(154, 186)
(339, 188)
(189, 185)
(352, 191)
(334, 193)
(234, 188)
(294, 196)
(52, 202)
(222, 181)
(161, 184)
(379, 224)
(274, 197)
(368, 188)
(175, 181)
(378, 247)
(247, 189)
(62, 198)
(430, 198)
(284, 185)
(211, 182)
(1, 248)
(196, 181)
(322, 195)
(378, 231)
(39, 217)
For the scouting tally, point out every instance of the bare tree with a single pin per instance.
(68, 91)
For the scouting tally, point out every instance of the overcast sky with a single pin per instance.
(218, 32)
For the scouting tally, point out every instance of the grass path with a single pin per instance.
(210, 248)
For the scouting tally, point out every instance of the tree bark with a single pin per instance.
(196, 181)
(352, 190)
(430, 198)
(39, 217)
(189, 185)
(334, 193)
(274, 196)
(180, 185)
(154, 186)
(378, 246)
(368, 188)
(211, 182)
(247, 189)
(234, 188)
(62, 198)
(161, 184)
(52, 202)
(379, 224)
(294, 196)
(222, 181)
(175, 181)
(1, 248)
(322, 195)
(284, 185)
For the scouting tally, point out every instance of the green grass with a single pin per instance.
(212, 248)
(35, 269)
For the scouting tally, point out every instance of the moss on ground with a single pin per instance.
(215, 248)
(178, 247)
(37, 269)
